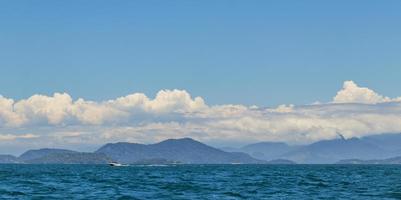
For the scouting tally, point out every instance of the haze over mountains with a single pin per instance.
(264, 150)
(388, 161)
(376, 149)
(183, 151)
(328, 151)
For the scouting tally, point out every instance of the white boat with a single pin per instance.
(116, 164)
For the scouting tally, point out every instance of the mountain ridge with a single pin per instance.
(388, 161)
(189, 151)
(379, 146)
(185, 150)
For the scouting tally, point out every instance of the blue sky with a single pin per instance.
(222, 57)
(246, 52)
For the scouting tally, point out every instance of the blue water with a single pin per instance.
(200, 182)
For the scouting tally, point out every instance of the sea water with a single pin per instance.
(200, 182)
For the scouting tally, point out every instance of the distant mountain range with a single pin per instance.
(56, 156)
(183, 151)
(39, 153)
(384, 148)
(71, 158)
(264, 150)
(389, 161)
(328, 151)
(8, 159)
(331, 151)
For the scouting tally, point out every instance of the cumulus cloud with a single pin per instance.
(352, 93)
(164, 102)
(355, 111)
(53, 109)
(60, 109)
(7, 115)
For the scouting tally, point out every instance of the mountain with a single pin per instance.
(372, 147)
(391, 143)
(331, 151)
(267, 150)
(155, 161)
(369, 149)
(281, 162)
(38, 153)
(8, 159)
(71, 158)
(389, 161)
(62, 156)
(184, 150)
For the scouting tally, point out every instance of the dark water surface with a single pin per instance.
(200, 182)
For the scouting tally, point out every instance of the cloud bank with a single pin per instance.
(355, 111)
(60, 109)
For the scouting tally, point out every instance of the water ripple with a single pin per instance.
(200, 182)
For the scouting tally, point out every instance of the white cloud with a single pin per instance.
(352, 93)
(93, 113)
(7, 115)
(60, 109)
(283, 108)
(355, 111)
(165, 101)
(53, 109)
(8, 137)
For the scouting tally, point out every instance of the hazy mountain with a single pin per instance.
(331, 151)
(38, 153)
(70, 158)
(376, 148)
(391, 143)
(281, 162)
(379, 146)
(230, 149)
(267, 150)
(181, 150)
(8, 159)
(389, 161)
(156, 161)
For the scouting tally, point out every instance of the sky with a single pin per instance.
(73, 69)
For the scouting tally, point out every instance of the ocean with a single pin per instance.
(200, 182)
